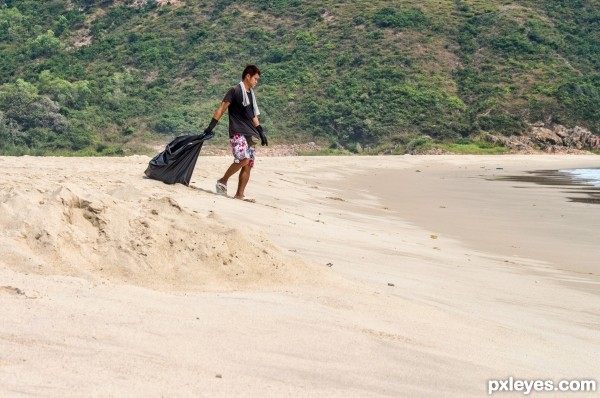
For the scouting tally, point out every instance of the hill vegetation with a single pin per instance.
(105, 77)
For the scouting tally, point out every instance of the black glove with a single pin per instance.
(263, 137)
(207, 135)
(210, 127)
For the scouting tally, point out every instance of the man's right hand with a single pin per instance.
(211, 126)
(207, 134)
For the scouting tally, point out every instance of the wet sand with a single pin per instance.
(577, 190)
(497, 205)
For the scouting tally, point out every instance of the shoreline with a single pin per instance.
(558, 179)
(554, 222)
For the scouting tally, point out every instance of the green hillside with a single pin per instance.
(109, 76)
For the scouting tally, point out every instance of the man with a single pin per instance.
(244, 130)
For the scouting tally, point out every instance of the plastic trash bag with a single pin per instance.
(176, 163)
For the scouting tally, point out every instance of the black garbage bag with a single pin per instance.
(176, 163)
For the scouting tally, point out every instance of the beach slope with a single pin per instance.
(350, 276)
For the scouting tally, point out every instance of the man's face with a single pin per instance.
(252, 80)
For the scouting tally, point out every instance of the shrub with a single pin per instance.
(45, 45)
(399, 19)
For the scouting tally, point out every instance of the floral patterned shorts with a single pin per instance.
(241, 150)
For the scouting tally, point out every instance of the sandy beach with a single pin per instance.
(387, 276)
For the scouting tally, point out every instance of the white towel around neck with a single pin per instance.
(246, 101)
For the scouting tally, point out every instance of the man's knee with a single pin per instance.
(244, 162)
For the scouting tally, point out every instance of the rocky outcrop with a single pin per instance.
(551, 139)
(578, 137)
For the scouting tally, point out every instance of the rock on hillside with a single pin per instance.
(552, 139)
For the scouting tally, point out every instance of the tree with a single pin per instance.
(73, 95)
(25, 109)
(11, 24)
(45, 45)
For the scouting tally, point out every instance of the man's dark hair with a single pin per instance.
(250, 70)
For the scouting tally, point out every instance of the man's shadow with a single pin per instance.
(203, 190)
(192, 186)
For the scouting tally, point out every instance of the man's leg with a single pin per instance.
(245, 175)
(234, 168)
(244, 178)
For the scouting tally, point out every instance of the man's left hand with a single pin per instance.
(263, 137)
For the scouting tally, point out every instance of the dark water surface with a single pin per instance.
(586, 192)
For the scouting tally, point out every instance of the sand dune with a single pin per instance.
(337, 282)
(122, 234)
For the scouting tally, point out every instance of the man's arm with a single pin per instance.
(221, 110)
(218, 113)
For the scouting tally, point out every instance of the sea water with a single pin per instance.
(589, 176)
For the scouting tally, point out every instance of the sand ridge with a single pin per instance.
(121, 233)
